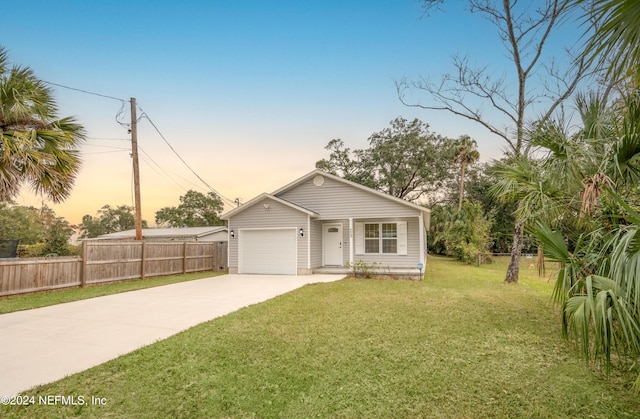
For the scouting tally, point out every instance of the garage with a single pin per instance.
(267, 251)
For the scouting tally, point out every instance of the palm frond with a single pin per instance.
(616, 42)
(35, 146)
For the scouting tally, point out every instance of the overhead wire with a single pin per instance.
(170, 175)
(143, 114)
(159, 169)
(108, 139)
(108, 146)
(84, 91)
(122, 111)
(105, 152)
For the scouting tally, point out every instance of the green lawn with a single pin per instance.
(459, 344)
(49, 298)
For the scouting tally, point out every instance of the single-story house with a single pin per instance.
(197, 234)
(322, 221)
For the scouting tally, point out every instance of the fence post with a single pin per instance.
(142, 257)
(184, 257)
(83, 264)
(215, 256)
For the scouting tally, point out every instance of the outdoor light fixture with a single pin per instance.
(301, 233)
(232, 234)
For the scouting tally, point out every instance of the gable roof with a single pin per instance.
(165, 232)
(354, 184)
(261, 197)
(426, 212)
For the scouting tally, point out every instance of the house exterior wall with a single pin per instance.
(277, 216)
(335, 200)
(316, 243)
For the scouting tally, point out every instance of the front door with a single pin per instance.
(332, 239)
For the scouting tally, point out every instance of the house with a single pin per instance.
(322, 221)
(214, 233)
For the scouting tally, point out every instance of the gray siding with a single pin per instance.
(316, 243)
(335, 200)
(278, 215)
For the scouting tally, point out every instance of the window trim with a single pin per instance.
(401, 238)
(381, 238)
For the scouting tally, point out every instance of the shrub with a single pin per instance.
(461, 234)
(363, 269)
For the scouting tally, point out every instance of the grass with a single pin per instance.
(459, 344)
(42, 299)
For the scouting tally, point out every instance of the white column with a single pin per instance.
(351, 241)
(423, 233)
(309, 243)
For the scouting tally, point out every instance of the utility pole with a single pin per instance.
(136, 169)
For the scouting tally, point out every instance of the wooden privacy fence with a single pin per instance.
(111, 261)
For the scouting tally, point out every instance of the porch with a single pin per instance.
(394, 273)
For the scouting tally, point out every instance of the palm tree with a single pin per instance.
(36, 147)
(538, 195)
(598, 286)
(465, 153)
(598, 283)
(615, 45)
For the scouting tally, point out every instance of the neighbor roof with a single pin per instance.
(165, 232)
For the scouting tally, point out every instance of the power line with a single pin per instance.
(84, 91)
(145, 115)
(170, 175)
(108, 139)
(107, 146)
(158, 168)
(106, 152)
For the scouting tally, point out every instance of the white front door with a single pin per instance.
(332, 239)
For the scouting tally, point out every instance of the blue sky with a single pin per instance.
(247, 92)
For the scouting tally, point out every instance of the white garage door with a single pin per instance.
(267, 252)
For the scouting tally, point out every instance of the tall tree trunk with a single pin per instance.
(461, 185)
(540, 262)
(516, 249)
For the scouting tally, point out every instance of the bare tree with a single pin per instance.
(540, 87)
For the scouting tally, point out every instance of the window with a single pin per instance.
(389, 238)
(382, 238)
(372, 238)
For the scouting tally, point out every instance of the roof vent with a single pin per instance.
(318, 180)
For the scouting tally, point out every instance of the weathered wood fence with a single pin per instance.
(111, 261)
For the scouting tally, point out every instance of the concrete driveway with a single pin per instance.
(46, 344)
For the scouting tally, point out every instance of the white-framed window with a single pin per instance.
(377, 238)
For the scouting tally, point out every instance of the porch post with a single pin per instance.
(423, 250)
(350, 241)
(309, 243)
